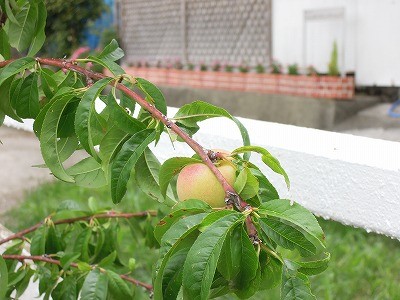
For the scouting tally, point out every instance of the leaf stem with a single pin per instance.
(75, 265)
(106, 215)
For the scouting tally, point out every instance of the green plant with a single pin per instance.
(260, 69)
(203, 251)
(228, 68)
(243, 68)
(333, 69)
(276, 67)
(293, 69)
(190, 66)
(203, 66)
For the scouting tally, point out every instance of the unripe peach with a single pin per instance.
(196, 181)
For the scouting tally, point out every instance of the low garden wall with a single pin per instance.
(330, 87)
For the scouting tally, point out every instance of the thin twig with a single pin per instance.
(74, 265)
(107, 215)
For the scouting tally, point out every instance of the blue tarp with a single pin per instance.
(93, 34)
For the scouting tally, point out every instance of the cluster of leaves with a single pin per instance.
(72, 112)
(85, 256)
(333, 68)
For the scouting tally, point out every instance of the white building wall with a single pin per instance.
(371, 36)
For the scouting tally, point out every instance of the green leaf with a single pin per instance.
(38, 243)
(313, 267)
(169, 220)
(40, 36)
(126, 160)
(172, 239)
(48, 84)
(95, 286)
(15, 67)
(5, 101)
(20, 34)
(287, 237)
(23, 284)
(66, 290)
(153, 94)
(66, 124)
(114, 68)
(173, 272)
(192, 204)
(247, 259)
(296, 215)
(69, 258)
(111, 144)
(84, 114)
(67, 147)
(201, 262)
(27, 98)
(172, 167)
(82, 244)
(121, 118)
(266, 191)
(267, 158)
(111, 52)
(118, 287)
(148, 168)
(48, 137)
(4, 44)
(3, 278)
(189, 114)
(246, 184)
(295, 288)
(10, 13)
(88, 173)
(271, 271)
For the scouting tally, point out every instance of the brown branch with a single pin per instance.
(107, 215)
(75, 265)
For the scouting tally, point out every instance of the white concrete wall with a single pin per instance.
(372, 42)
(351, 179)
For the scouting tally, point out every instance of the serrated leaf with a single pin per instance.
(121, 118)
(315, 266)
(88, 173)
(246, 184)
(172, 167)
(266, 191)
(108, 260)
(27, 98)
(146, 177)
(66, 124)
(295, 288)
(95, 286)
(15, 67)
(169, 243)
(67, 147)
(38, 123)
(201, 262)
(190, 114)
(5, 101)
(192, 204)
(271, 271)
(247, 259)
(126, 160)
(287, 236)
(118, 287)
(267, 158)
(48, 137)
(169, 220)
(153, 94)
(173, 272)
(84, 114)
(3, 278)
(296, 215)
(48, 84)
(20, 34)
(111, 52)
(40, 36)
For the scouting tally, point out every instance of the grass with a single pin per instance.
(363, 265)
